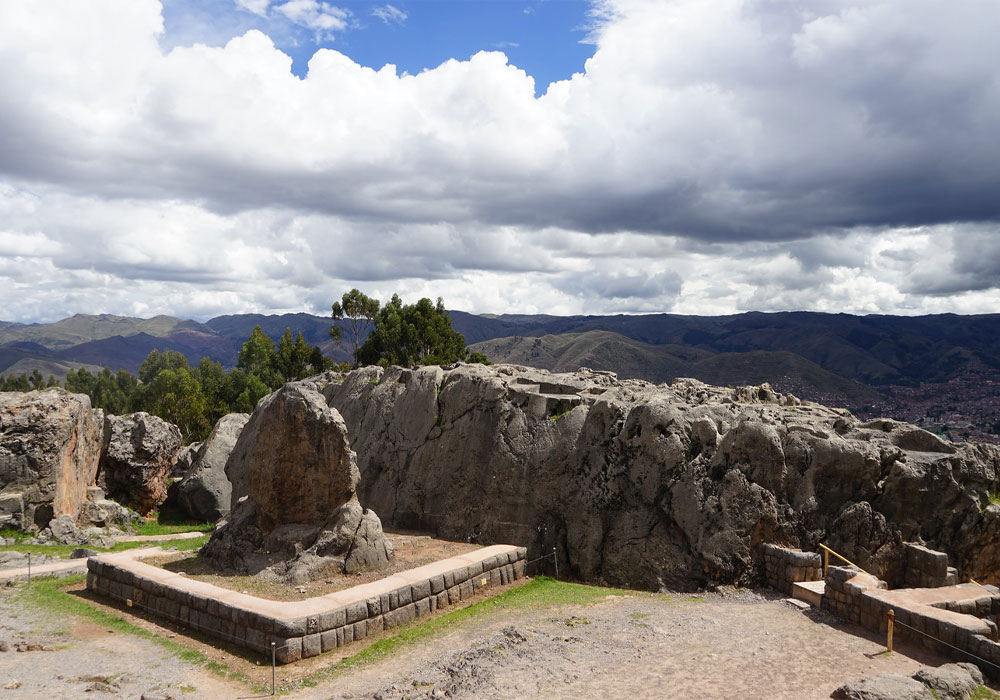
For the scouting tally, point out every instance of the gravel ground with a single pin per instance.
(732, 644)
(52, 658)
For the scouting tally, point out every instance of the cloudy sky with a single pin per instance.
(201, 157)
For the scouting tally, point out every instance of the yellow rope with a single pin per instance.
(841, 556)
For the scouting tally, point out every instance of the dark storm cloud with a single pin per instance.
(772, 144)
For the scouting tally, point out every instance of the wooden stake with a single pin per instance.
(892, 618)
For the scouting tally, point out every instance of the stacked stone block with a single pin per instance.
(966, 625)
(845, 587)
(304, 628)
(926, 568)
(784, 566)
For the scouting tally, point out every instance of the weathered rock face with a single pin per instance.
(646, 485)
(50, 446)
(295, 507)
(185, 459)
(140, 451)
(204, 492)
(959, 681)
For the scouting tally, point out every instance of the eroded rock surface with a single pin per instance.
(140, 451)
(204, 493)
(296, 510)
(644, 485)
(50, 446)
(960, 681)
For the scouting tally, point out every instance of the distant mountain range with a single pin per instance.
(862, 362)
(122, 342)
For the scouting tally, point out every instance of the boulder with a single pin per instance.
(886, 687)
(301, 513)
(959, 681)
(100, 512)
(50, 447)
(204, 493)
(140, 451)
(185, 458)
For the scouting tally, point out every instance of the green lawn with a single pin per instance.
(153, 527)
(161, 526)
(64, 550)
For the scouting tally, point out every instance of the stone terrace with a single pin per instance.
(300, 629)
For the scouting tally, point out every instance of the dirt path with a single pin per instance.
(736, 645)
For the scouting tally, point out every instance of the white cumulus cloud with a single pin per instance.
(710, 157)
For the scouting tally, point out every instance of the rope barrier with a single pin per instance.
(555, 559)
(827, 551)
(941, 641)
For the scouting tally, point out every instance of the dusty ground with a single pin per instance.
(738, 644)
(411, 551)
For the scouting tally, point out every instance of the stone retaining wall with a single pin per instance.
(962, 617)
(926, 568)
(844, 595)
(301, 629)
(784, 566)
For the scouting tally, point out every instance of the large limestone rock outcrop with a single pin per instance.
(644, 485)
(296, 511)
(139, 453)
(50, 446)
(204, 493)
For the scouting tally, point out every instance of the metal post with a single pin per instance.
(29, 567)
(555, 556)
(272, 668)
(892, 618)
(826, 561)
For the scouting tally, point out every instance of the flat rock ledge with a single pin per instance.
(305, 628)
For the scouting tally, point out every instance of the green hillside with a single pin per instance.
(82, 328)
(604, 350)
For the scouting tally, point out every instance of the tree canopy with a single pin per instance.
(26, 382)
(415, 334)
(359, 310)
(195, 397)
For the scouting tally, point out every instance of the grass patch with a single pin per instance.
(64, 550)
(159, 527)
(540, 592)
(983, 693)
(47, 594)
(11, 533)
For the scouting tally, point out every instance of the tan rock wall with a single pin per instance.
(50, 447)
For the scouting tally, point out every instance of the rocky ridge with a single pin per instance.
(643, 485)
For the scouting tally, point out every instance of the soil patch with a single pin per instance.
(411, 551)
